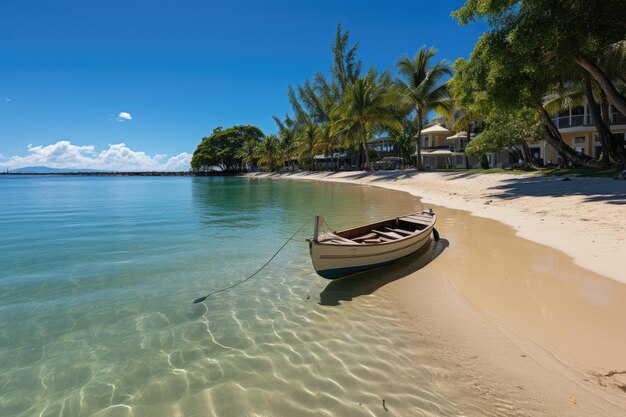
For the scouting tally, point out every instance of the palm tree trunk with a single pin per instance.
(618, 100)
(364, 144)
(418, 162)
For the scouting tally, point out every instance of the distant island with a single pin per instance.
(43, 170)
(48, 170)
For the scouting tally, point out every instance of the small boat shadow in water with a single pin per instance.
(366, 283)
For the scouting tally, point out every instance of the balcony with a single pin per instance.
(573, 121)
(576, 120)
(618, 119)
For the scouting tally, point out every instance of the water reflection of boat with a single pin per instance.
(339, 254)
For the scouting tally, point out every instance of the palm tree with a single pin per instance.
(287, 136)
(404, 137)
(366, 106)
(346, 68)
(307, 134)
(269, 152)
(321, 99)
(248, 152)
(420, 88)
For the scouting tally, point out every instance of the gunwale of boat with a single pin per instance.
(428, 224)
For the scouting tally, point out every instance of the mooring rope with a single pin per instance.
(201, 299)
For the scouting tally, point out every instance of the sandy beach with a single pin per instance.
(531, 303)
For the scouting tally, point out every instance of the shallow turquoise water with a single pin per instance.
(97, 278)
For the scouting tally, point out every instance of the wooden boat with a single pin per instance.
(339, 254)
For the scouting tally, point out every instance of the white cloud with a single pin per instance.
(124, 116)
(7, 99)
(117, 157)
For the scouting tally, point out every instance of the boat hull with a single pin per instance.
(339, 261)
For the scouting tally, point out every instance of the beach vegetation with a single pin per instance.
(508, 130)
(225, 149)
(269, 153)
(533, 46)
(537, 59)
(420, 86)
(365, 107)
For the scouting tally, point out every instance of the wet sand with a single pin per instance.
(536, 333)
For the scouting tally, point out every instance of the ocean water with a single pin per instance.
(97, 278)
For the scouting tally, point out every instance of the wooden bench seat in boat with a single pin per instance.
(415, 220)
(365, 237)
(378, 240)
(401, 231)
(333, 238)
(390, 235)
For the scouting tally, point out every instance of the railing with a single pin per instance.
(582, 120)
(618, 119)
(575, 120)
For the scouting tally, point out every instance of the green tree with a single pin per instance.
(366, 106)
(501, 78)
(287, 136)
(269, 153)
(570, 34)
(346, 68)
(405, 137)
(420, 87)
(508, 130)
(223, 148)
(585, 90)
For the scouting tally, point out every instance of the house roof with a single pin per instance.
(436, 152)
(435, 129)
(458, 135)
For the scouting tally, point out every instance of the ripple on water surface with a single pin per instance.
(96, 316)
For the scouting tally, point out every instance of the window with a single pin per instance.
(535, 153)
(579, 140)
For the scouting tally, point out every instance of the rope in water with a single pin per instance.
(201, 299)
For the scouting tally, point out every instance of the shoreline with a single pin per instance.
(121, 174)
(534, 333)
(542, 209)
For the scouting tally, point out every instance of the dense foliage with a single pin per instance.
(539, 57)
(534, 46)
(223, 148)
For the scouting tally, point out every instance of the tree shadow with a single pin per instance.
(459, 175)
(366, 283)
(591, 189)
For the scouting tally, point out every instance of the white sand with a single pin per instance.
(583, 217)
(537, 335)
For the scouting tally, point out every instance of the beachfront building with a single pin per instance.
(441, 148)
(578, 131)
(388, 153)
(384, 146)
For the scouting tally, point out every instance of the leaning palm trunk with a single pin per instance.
(616, 143)
(553, 137)
(610, 148)
(618, 100)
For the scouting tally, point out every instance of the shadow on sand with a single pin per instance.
(591, 189)
(366, 283)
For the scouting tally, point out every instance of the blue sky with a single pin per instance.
(179, 69)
